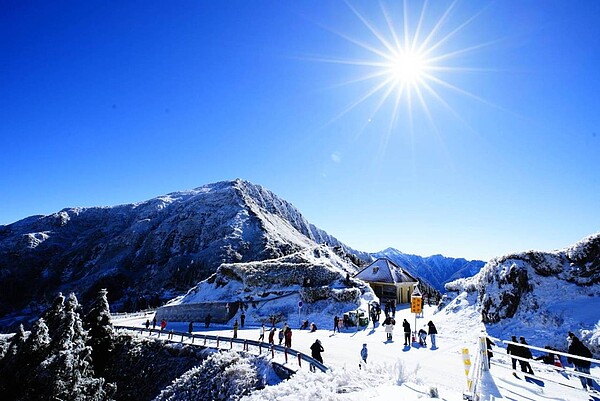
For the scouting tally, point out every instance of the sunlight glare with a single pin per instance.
(407, 68)
(407, 65)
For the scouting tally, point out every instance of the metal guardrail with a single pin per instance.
(133, 314)
(481, 362)
(550, 351)
(205, 340)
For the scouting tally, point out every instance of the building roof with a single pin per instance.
(385, 271)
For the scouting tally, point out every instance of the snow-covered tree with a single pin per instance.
(54, 362)
(39, 339)
(101, 331)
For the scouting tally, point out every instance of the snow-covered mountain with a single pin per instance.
(541, 293)
(148, 252)
(436, 270)
(144, 252)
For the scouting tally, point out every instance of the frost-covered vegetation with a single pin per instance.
(223, 376)
(69, 358)
(540, 289)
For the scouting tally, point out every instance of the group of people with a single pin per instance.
(513, 348)
(431, 331)
(521, 352)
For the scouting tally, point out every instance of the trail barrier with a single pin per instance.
(218, 341)
(472, 391)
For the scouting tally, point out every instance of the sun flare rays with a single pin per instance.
(408, 65)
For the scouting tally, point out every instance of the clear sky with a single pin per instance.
(466, 128)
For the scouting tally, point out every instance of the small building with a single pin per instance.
(388, 281)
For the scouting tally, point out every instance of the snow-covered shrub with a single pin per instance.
(315, 294)
(223, 376)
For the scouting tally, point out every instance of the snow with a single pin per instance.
(408, 373)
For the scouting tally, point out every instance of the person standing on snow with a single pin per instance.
(525, 352)
(490, 354)
(242, 319)
(576, 347)
(432, 331)
(406, 327)
(389, 328)
(288, 337)
(235, 328)
(364, 353)
(272, 336)
(336, 320)
(513, 349)
(316, 350)
(261, 336)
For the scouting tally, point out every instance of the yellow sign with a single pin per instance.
(416, 304)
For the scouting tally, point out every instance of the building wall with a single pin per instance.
(402, 291)
(197, 312)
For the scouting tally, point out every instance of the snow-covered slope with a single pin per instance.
(436, 270)
(316, 276)
(543, 294)
(143, 252)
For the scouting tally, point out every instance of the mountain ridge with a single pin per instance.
(146, 252)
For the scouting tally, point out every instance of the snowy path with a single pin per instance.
(425, 367)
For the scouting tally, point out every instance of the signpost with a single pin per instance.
(416, 304)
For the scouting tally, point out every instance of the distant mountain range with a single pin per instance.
(437, 270)
(147, 252)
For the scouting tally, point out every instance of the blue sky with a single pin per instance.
(104, 103)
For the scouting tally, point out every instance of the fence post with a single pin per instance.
(260, 348)
(272, 352)
(300, 359)
(205, 340)
(245, 345)
(231, 344)
(285, 353)
(217, 341)
(484, 353)
(467, 363)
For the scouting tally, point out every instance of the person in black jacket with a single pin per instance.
(316, 350)
(490, 354)
(513, 349)
(525, 352)
(406, 327)
(578, 348)
(432, 331)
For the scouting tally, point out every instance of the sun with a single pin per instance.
(407, 68)
(408, 63)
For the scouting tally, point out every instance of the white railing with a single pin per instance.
(481, 359)
(126, 315)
